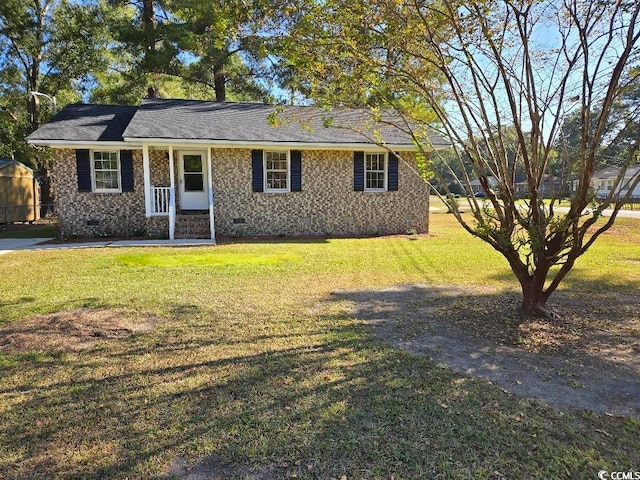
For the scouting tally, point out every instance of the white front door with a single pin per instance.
(193, 181)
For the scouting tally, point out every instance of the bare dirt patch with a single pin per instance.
(589, 359)
(71, 330)
(214, 468)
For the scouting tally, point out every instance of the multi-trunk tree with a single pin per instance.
(499, 77)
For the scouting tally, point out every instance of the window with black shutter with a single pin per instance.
(105, 171)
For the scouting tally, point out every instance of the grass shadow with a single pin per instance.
(568, 362)
(212, 393)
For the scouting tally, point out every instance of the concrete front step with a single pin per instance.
(192, 226)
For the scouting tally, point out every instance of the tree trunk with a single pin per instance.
(33, 72)
(149, 25)
(34, 112)
(534, 297)
(46, 192)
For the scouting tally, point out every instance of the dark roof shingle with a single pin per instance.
(195, 120)
(255, 123)
(86, 123)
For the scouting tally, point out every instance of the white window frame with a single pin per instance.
(93, 172)
(264, 172)
(385, 171)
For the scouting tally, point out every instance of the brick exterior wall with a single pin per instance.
(97, 214)
(327, 204)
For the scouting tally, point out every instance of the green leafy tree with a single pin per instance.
(50, 47)
(620, 133)
(212, 48)
(14, 121)
(485, 69)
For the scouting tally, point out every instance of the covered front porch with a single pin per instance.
(178, 190)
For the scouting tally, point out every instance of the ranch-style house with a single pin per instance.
(194, 169)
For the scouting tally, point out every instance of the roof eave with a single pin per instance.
(135, 142)
(81, 143)
(173, 142)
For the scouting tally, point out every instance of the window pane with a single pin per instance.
(276, 164)
(374, 171)
(106, 180)
(105, 165)
(276, 161)
(276, 156)
(375, 180)
(277, 180)
(193, 182)
(192, 163)
(375, 161)
(276, 170)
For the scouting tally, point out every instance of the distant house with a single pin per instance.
(185, 168)
(19, 199)
(477, 187)
(550, 186)
(604, 180)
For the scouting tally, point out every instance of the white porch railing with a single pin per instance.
(160, 200)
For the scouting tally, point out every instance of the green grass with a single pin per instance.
(257, 359)
(211, 259)
(29, 231)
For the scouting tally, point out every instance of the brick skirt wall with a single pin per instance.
(327, 204)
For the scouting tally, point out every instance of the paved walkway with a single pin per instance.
(12, 244)
(607, 213)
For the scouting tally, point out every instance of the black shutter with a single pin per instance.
(126, 170)
(83, 167)
(257, 175)
(392, 180)
(358, 171)
(296, 171)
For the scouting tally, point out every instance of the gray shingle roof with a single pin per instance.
(252, 122)
(613, 172)
(194, 120)
(86, 123)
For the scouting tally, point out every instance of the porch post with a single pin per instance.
(172, 197)
(210, 195)
(147, 180)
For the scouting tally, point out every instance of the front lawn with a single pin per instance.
(246, 360)
(27, 230)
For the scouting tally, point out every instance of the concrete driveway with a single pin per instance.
(10, 244)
